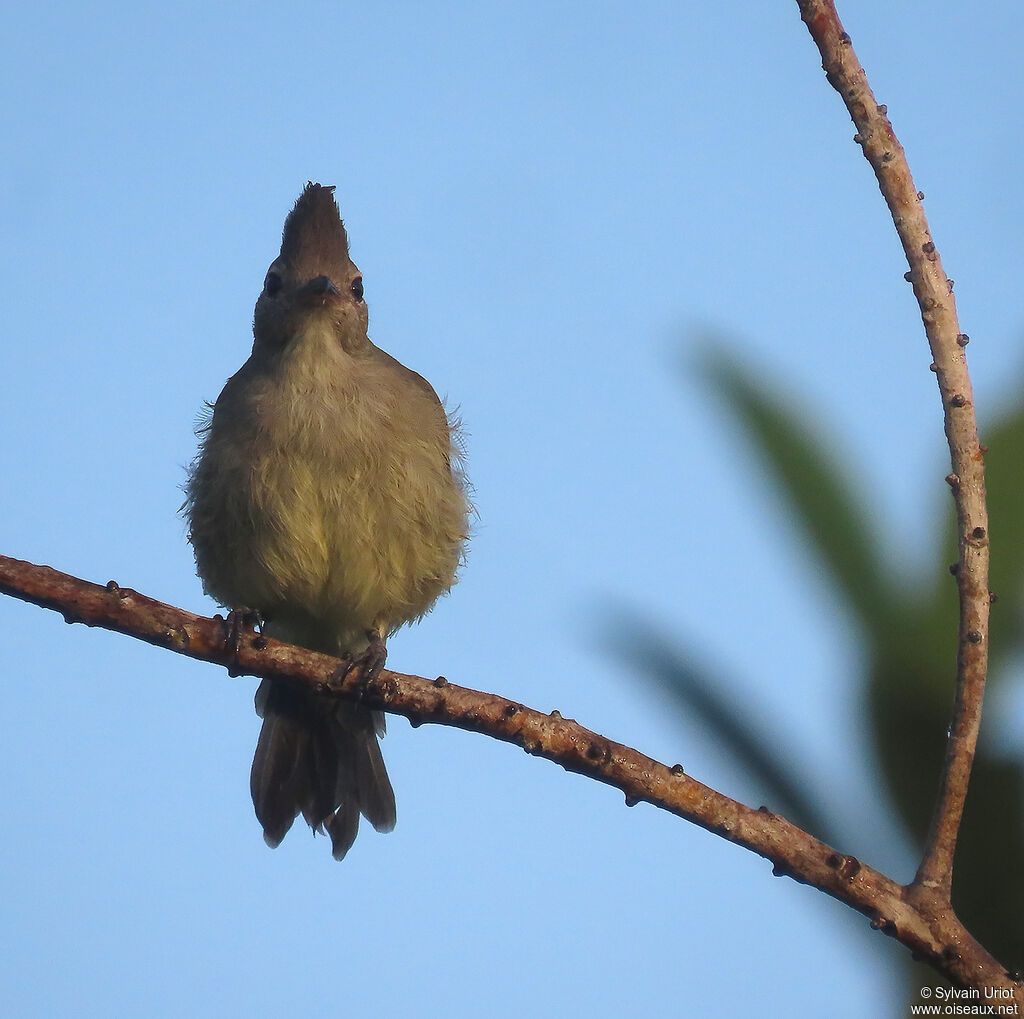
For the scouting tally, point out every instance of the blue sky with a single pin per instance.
(553, 205)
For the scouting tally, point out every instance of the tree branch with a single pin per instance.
(934, 293)
(934, 935)
(919, 915)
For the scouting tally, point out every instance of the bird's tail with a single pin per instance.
(319, 757)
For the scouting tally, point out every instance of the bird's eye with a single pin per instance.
(272, 284)
(357, 288)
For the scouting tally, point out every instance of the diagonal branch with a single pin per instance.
(919, 916)
(934, 935)
(934, 293)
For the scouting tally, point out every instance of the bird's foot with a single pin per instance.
(239, 622)
(368, 662)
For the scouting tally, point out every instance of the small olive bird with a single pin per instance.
(327, 496)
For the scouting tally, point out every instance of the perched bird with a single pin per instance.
(327, 496)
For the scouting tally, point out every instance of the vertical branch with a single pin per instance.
(934, 293)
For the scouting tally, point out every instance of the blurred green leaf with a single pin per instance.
(825, 505)
(910, 632)
(702, 697)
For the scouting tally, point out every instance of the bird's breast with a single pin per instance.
(348, 504)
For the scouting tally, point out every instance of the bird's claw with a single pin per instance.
(238, 623)
(368, 663)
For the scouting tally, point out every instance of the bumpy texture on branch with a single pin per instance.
(940, 938)
(934, 293)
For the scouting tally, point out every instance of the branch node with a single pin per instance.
(848, 867)
(963, 339)
(178, 637)
(884, 924)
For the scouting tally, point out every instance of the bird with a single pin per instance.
(327, 496)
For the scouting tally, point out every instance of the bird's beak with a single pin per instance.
(321, 286)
